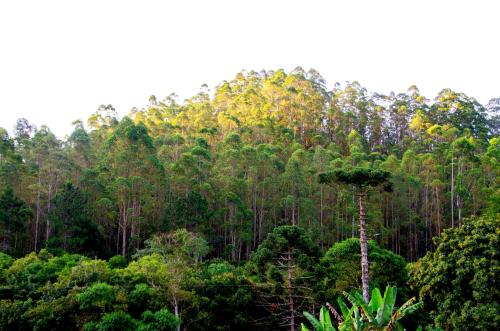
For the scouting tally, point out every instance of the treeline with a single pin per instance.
(238, 162)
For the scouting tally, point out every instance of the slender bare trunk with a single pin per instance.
(364, 246)
(459, 198)
(176, 313)
(37, 217)
(291, 305)
(47, 225)
(459, 213)
(321, 216)
(124, 228)
(452, 191)
(427, 222)
(438, 209)
(254, 207)
(261, 215)
(352, 220)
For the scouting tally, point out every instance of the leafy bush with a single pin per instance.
(98, 296)
(459, 283)
(162, 320)
(115, 321)
(340, 270)
(117, 262)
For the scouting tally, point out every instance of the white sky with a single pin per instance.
(59, 60)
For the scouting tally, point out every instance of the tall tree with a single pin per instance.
(168, 260)
(362, 179)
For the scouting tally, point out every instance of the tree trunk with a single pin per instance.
(364, 245)
(321, 217)
(353, 232)
(176, 313)
(254, 207)
(47, 225)
(37, 218)
(124, 228)
(261, 215)
(291, 306)
(426, 212)
(452, 199)
(459, 213)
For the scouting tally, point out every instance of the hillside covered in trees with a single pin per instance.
(228, 211)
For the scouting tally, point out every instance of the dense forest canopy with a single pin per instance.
(234, 165)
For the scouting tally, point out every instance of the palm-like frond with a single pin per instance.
(323, 324)
(314, 321)
(377, 315)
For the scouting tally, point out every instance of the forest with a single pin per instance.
(268, 203)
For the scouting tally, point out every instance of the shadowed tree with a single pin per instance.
(362, 179)
(283, 266)
(73, 227)
(13, 215)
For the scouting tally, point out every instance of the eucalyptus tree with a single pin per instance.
(168, 261)
(133, 170)
(52, 166)
(461, 112)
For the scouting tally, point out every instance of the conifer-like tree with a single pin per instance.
(362, 179)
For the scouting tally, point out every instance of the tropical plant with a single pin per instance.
(323, 324)
(378, 315)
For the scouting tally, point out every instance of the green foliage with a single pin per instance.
(140, 298)
(115, 321)
(117, 262)
(283, 268)
(73, 228)
(98, 296)
(379, 314)
(323, 324)
(458, 283)
(231, 300)
(11, 314)
(13, 216)
(360, 177)
(340, 269)
(5, 261)
(285, 239)
(168, 263)
(26, 276)
(162, 320)
(234, 164)
(179, 244)
(191, 211)
(220, 173)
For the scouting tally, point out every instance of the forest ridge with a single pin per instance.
(234, 165)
